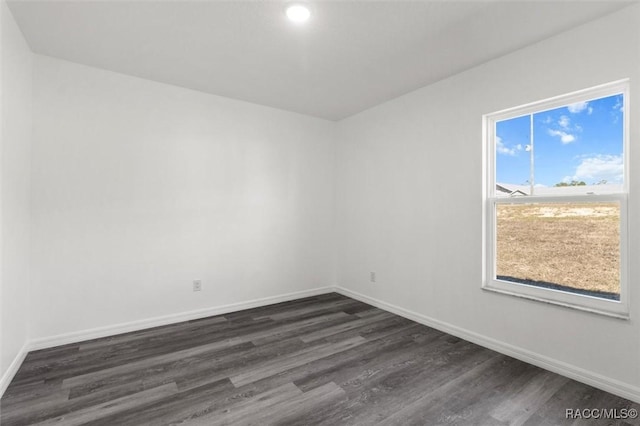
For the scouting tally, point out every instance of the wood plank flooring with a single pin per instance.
(325, 360)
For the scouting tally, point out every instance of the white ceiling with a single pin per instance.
(350, 56)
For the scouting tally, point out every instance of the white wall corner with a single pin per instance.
(8, 375)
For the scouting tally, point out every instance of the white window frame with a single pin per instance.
(614, 308)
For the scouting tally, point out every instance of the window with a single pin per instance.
(556, 200)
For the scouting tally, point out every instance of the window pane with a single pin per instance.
(572, 247)
(575, 149)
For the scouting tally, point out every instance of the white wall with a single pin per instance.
(138, 188)
(410, 201)
(15, 161)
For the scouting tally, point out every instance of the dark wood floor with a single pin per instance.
(325, 360)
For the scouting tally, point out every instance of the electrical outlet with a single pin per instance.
(372, 277)
(197, 285)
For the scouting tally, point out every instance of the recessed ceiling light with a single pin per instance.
(298, 13)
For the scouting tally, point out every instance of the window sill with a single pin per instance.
(621, 316)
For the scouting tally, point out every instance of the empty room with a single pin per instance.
(319, 212)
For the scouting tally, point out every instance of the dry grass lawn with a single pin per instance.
(571, 245)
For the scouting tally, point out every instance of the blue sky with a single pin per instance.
(582, 141)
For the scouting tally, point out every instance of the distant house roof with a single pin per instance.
(513, 190)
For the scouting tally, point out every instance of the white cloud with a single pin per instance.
(598, 168)
(564, 122)
(564, 137)
(565, 130)
(501, 148)
(590, 110)
(619, 106)
(577, 107)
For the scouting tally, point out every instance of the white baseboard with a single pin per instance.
(8, 375)
(596, 380)
(95, 333)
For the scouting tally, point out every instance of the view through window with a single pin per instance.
(558, 195)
